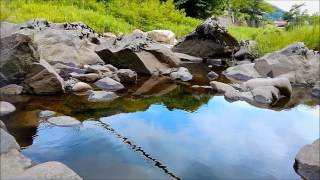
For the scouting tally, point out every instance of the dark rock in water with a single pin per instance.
(18, 53)
(212, 75)
(316, 89)
(137, 52)
(209, 39)
(307, 161)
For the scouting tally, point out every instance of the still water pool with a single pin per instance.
(217, 140)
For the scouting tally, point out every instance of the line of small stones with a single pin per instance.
(136, 148)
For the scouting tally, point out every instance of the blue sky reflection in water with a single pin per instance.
(220, 140)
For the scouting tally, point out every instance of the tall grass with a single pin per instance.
(115, 16)
(270, 39)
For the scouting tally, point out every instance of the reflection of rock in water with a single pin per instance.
(139, 149)
(155, 86)
(23, 126)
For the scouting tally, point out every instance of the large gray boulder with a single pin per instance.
(66, 43)
(49, 170)
(209, 39)
(43, 79)
(307, 161)
(6, 108)
(295, 62)
(13, 163)
(138, 53)
(7, 142)
(17, 55)
(62, 46)
(109, 84)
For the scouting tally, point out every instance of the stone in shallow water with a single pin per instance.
(49, 170)
(101, 96)
(11, 89)
(307, 161)
(108, 84)
(64, 121)
(46, 113)
(81, 87)
(6, 108)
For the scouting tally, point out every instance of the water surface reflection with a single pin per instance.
(219, 140)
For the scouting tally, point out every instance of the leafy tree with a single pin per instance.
(295, 16)
(252, 9)
(201, 8)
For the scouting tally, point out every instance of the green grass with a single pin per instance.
(271, 39)
(123, 16)
(116, 16)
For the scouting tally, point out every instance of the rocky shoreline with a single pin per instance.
(43, 58)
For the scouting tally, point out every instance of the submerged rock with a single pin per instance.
(209, 39)
(11, 89)
(64, 121)
(108, 84)
(101, 96)
(182, 73)
(46, 113)
(212, 75)
(316, 89)
(6, 108)
(307, 161)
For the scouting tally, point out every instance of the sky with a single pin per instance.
(311, 5)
